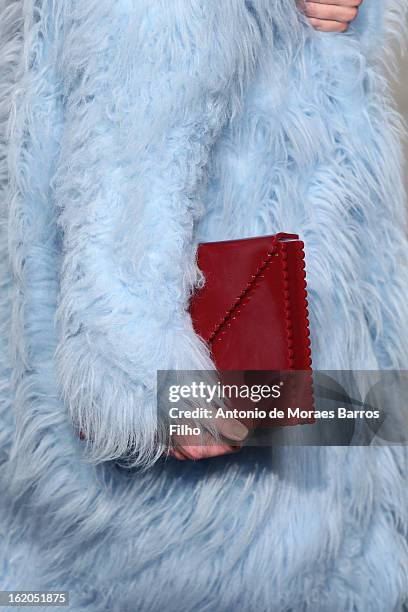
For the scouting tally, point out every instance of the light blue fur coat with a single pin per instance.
(131, 129)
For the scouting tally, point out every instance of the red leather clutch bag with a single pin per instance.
(252, 309)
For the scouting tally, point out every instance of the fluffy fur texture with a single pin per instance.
(129, 131)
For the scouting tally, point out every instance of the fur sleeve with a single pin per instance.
(147, 91)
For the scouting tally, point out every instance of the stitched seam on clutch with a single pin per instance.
(231, 311)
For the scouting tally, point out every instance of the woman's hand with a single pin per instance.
(232, 432)
(331, 15)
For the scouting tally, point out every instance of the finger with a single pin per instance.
(206, 452)
(329, 12)
(355, 3)
(185, 446)
(232, 429)
(228, 428)
(175, 452)
(209, 448)
(328, 26)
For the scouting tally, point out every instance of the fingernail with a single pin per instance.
(233, 430)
